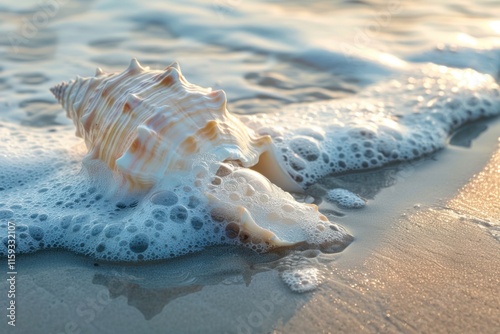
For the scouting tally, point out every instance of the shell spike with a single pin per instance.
(170, 76)
(134, 66)
(133, 100)
(174, 65)
(143, 133)
(218, 97)
(98, 72)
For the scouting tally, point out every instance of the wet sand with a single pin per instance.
(436, 271)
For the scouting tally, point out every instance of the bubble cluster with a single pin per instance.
(80, 207)
(345, 198)
(301, 279)
(57, 204)
(75, 215)
(398, 120)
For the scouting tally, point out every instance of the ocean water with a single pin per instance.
(333, 70)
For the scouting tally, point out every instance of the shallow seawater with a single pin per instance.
(266, 56)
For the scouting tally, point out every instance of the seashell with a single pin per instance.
(146, 124)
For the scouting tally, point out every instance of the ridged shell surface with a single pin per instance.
(143, 123)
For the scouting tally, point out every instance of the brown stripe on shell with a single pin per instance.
(189, 145)
(127, 108)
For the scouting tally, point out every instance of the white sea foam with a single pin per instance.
(57, 205)
(400, 119)
(345, 198)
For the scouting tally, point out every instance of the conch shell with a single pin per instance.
(144, 124)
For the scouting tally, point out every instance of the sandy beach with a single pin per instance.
(437, 271)
(434, 270)
(425, 255)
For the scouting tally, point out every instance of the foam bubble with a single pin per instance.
(345, 198)
(6, 214)
(301, 279)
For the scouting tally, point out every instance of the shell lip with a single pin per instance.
(273, 169)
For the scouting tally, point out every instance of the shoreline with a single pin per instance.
(436, 271)
(430, 270)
